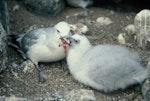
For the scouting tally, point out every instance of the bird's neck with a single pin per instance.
(75, 56)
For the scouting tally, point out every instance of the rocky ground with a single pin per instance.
(18, 81)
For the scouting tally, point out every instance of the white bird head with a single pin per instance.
(63, 28)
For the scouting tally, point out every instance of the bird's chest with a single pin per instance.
(54, 54)
(46, 53)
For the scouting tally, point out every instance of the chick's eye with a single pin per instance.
(76, 41)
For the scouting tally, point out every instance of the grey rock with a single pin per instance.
(102, 21)
(142, 27)
(13, 98)
(79, 15)
(4, 19)
(146, 85)
(45, 7)
(79, 28)
(3, 52)
(148, 68)
(80, 3)
(146, 90)
(130, 29)
(14, 65)
(80, 95)
(121, 38)
(16, 8)
(27, 66)
(4, 28)
(2, 98)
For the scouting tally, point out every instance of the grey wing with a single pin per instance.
(28, 40)
(32, 37)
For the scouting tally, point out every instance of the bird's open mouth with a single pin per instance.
(65, 42)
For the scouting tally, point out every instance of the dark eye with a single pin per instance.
(58, 31)
(76, 41)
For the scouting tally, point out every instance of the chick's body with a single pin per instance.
(104, 67)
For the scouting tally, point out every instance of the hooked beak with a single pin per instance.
(65, 41)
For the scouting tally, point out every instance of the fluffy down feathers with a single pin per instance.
(104, 67)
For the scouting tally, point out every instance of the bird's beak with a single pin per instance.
(65, 41)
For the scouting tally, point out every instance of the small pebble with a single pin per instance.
(121, 39)
(104, 21)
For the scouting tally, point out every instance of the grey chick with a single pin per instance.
(80, 3)
(42, 45)
(103, 67)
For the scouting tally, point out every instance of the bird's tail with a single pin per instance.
(141, 76)
(14, 40)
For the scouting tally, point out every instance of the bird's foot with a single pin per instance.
(42, 77)
(63, 64)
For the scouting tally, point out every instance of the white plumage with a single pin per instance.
(104, 67)
(43, 44)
